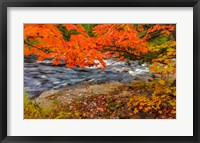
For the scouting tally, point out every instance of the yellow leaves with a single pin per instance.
(76, 45)
(77, 114)
(160, 103)
(140, 107)
(135, 111)
(146, 109)
(168, 90)
(126, 27)
(173, 112)
(169, 53)
(166, 60)
(174, 93)
(170, 49)
(154, 105)
(169, 45)
(142, 103)
(172, 102)
(162, 82)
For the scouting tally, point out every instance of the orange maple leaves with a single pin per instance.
(110, 40)
(162, 28)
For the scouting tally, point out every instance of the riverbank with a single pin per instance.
(111, 100)
(107, 101)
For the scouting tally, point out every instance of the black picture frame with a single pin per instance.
(99, 3)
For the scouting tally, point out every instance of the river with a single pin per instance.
(43, 76)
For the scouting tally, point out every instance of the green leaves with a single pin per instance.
(66, 33)
(159, 40)
(88, 28)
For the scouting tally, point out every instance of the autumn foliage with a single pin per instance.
(110, 40)
(85, 45)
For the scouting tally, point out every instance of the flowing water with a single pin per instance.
(43, 76)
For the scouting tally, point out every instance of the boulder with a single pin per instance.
(43, 101)
(107, 88)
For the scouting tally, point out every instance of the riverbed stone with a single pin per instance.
(107, 88)
(134, 82)
(47, 99)
(43, 101)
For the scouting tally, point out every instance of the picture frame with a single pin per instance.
(99, 3)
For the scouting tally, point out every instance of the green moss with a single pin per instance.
(63, 115)
(31, 110)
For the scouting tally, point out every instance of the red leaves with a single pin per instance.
(103, 103)
(100, 96)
